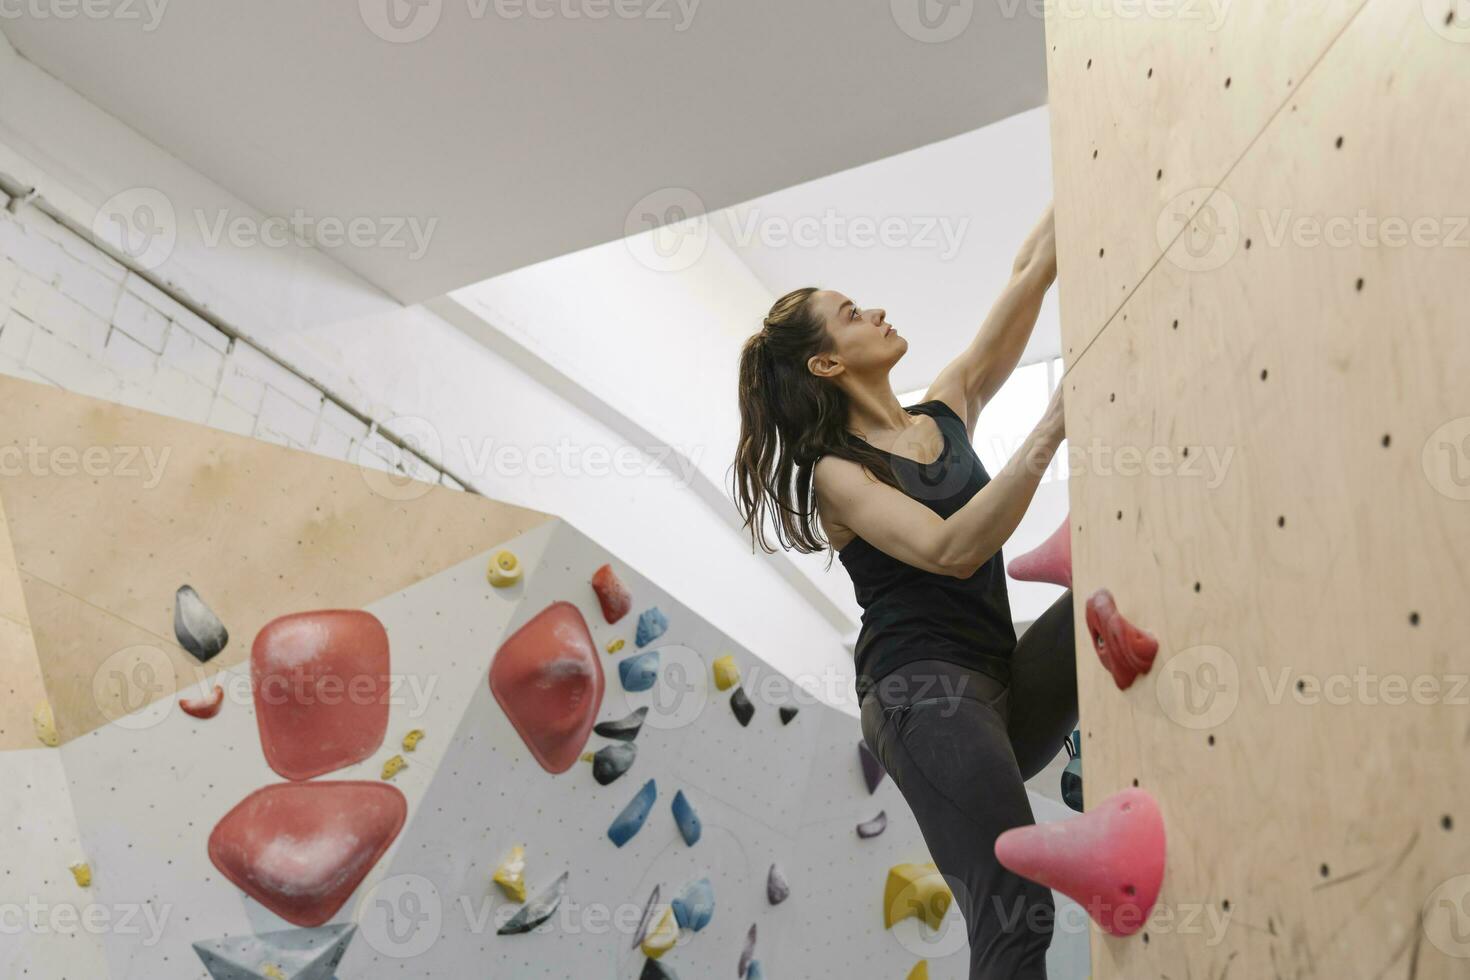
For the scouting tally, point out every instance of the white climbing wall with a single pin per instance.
(137, 785)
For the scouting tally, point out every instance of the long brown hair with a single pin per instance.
(789, 419)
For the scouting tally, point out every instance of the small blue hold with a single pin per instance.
(695, 905)
(687, 819)
(639, 672)
(630, 821)
(754, 971)
(651, 625)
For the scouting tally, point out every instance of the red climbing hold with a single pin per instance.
(549, 683)
(1125, 650)
(321, 690)
(1050, 561)
(204, 707)
(301, 849)
(611, 593)
(1110, 860)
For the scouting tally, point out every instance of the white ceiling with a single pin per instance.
(528, 137)
(955, 213)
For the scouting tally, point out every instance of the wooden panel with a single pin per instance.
(1144, 124)
(257, 529)
(1305, 565)
(23, 688)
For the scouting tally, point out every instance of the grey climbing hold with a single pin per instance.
(874, 827)
(777, 891)
(630, 821)
(611, 761)
(687, 819)
(624, 729)
(695, 905)
(651, 625)
(1072, 774)
(647, 921)
(196, 627)
(788, 712)
(740, 704)
(748, 953)
(640, 672)
(872, 768)
(537, 910)
(297, 954)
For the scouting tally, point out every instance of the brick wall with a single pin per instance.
(73, 317)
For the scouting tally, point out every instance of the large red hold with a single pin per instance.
(1050, 561)
(549, 683)
(301, 849)
(321, 690)
(1110, 860)
(1124, 649)
(612, 594)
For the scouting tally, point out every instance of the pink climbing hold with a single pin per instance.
(612, 594)
(321, 686)
(1124, 649)
(1110, 860)
(301, 849)
(1050, 561)
(549, 682)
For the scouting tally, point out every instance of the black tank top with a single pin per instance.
(910, 614)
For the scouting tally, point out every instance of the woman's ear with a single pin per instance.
(824, 365)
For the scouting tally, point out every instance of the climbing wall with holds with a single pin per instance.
(288, 719)
(1269, 421)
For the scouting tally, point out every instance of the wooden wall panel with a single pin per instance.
(1315, 533)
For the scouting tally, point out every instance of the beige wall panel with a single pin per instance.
(1143, 124)
(257, 529)
(1323, 510)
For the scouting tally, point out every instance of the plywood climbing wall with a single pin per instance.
(107, 511)
(1262, 223)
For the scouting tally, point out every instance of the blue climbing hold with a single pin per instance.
(686, 818)
(639, 673)
(695, 905)
(651, 625)
(755, 972)
(630, 821)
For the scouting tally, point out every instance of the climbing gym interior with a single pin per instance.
(373, 599)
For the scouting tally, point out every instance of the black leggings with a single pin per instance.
(959, 745)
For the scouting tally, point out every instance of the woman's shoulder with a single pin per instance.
(937, 409)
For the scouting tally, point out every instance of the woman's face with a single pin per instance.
(863, 341)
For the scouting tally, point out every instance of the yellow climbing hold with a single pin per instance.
(273, 972)
(505, 569)
(394, 766)
(615, 645)
(588, 757)
(46, 725)
(727, 675)
(82, 872)
(661, 938)
(915, 890)
(511, 875)
(411, 740)
(920, 971)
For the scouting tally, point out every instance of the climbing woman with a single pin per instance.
(959, 712)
